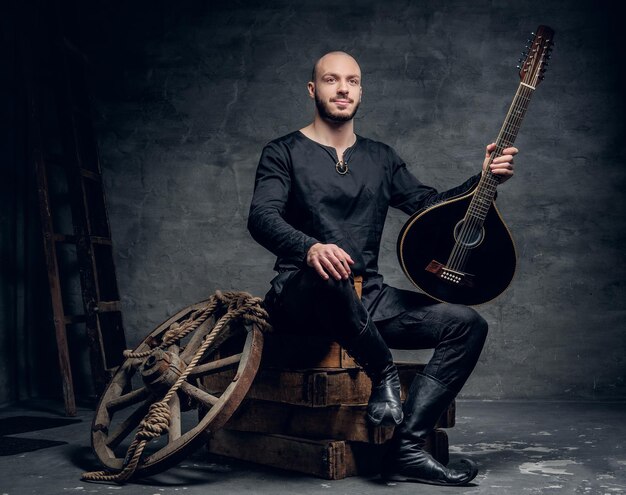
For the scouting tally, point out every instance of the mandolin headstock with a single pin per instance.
(533, 62)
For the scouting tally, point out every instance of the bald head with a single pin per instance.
(331, 58)
(336, 87)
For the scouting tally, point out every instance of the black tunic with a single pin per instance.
(300, 199)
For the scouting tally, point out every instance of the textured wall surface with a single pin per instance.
(187, 93)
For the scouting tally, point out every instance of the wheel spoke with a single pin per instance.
(201, 396)
(127, 399)
(175, 422)
(127, 426)
(215, 366)
(195, 341)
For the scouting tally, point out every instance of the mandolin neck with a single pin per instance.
(486, 190)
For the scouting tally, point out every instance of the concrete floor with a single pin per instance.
(521, 447)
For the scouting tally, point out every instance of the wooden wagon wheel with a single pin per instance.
(195, 413)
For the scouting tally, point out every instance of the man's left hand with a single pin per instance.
(501, 166)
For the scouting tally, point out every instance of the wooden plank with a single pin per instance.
(52, 265)
(108, 306)
(323, 458)
(339, 422)
(316, 387)
(313, 388)
(329, 459)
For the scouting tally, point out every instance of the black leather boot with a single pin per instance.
(406, 459)
(371, 352)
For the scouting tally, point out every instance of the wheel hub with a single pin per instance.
(161, 369)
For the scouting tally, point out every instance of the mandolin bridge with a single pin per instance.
(454, 277)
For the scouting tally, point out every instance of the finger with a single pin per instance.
(503, 159)
(510, 151)
(502, 171)
(344, 257)
(338, 264)
(345, 260)
(501, 165)
(347, 257)
(318, 268)
(328, 266)
(489, 149)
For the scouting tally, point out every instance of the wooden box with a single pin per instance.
(329, 459)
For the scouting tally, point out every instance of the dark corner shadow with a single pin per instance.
(42, 406)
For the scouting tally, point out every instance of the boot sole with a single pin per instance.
(406, 479)
(473, 472)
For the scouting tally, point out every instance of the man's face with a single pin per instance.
(337, 87)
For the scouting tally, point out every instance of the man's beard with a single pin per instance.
(326, 112)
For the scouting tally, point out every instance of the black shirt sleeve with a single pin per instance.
(410, 195)
(266, 221)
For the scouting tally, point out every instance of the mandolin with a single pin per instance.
(460, 250)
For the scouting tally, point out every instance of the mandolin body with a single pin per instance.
(460, 251)
(429, 235)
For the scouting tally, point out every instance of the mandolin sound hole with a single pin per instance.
(468, 235)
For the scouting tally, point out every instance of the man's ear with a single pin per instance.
(311, 87)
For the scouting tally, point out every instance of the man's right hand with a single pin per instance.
(329, 260)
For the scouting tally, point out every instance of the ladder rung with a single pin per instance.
(88, 174)
(108, 306)
(101, 240)
(71, 319)
(65, 238)
(72, 239)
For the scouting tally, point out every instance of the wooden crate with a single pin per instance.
(313, 420)
(329, 459)
(316, 387)
(337, 422)
(344, 422)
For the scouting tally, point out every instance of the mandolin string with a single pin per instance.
(472, 223)
(460, 252)
(508, 133)
(506, 138)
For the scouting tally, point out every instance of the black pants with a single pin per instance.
(309, 305)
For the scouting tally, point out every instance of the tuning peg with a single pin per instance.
(532, 33)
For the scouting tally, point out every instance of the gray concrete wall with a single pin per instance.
(187, 93)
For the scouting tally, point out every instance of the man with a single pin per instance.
(320, 201)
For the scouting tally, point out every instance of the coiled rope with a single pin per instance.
(238, 306)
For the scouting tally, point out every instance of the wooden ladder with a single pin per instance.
(63, 151)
